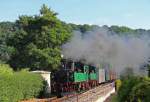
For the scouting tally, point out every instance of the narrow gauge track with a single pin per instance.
(89, 96)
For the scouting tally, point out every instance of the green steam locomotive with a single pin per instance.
(77, 76)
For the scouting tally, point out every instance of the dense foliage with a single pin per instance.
(35, 41)
(15, 86)
(7, 29)
(134, 89)
(38, 41)
(118, 84)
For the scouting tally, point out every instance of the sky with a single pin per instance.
(131, 13)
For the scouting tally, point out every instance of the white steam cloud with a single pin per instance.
(100, 46)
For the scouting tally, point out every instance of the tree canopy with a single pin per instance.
(6, 31)
(35, 41)
(134, 89)
(38, 41)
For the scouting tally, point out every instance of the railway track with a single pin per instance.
(89, 96)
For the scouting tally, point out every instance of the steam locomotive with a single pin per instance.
(77, 76)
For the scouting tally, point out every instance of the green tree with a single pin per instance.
(141, 91)
(38, 42)
(148, 69)
(125, 89)
(6, 31)
(82, 28)
(121, 29)
(134, 89)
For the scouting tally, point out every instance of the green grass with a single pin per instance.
(114, 98)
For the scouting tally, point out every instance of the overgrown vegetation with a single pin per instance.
(118, 84)
(35, 42)
(134, 89)
(15, 86)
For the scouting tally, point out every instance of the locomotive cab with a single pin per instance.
(92, 73)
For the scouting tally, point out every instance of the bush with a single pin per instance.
(134, 89)
(5, 70)
(141, 92)
(19, 85)
(30, 84)
(9, 91)
(125, 89)
(118, 84)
